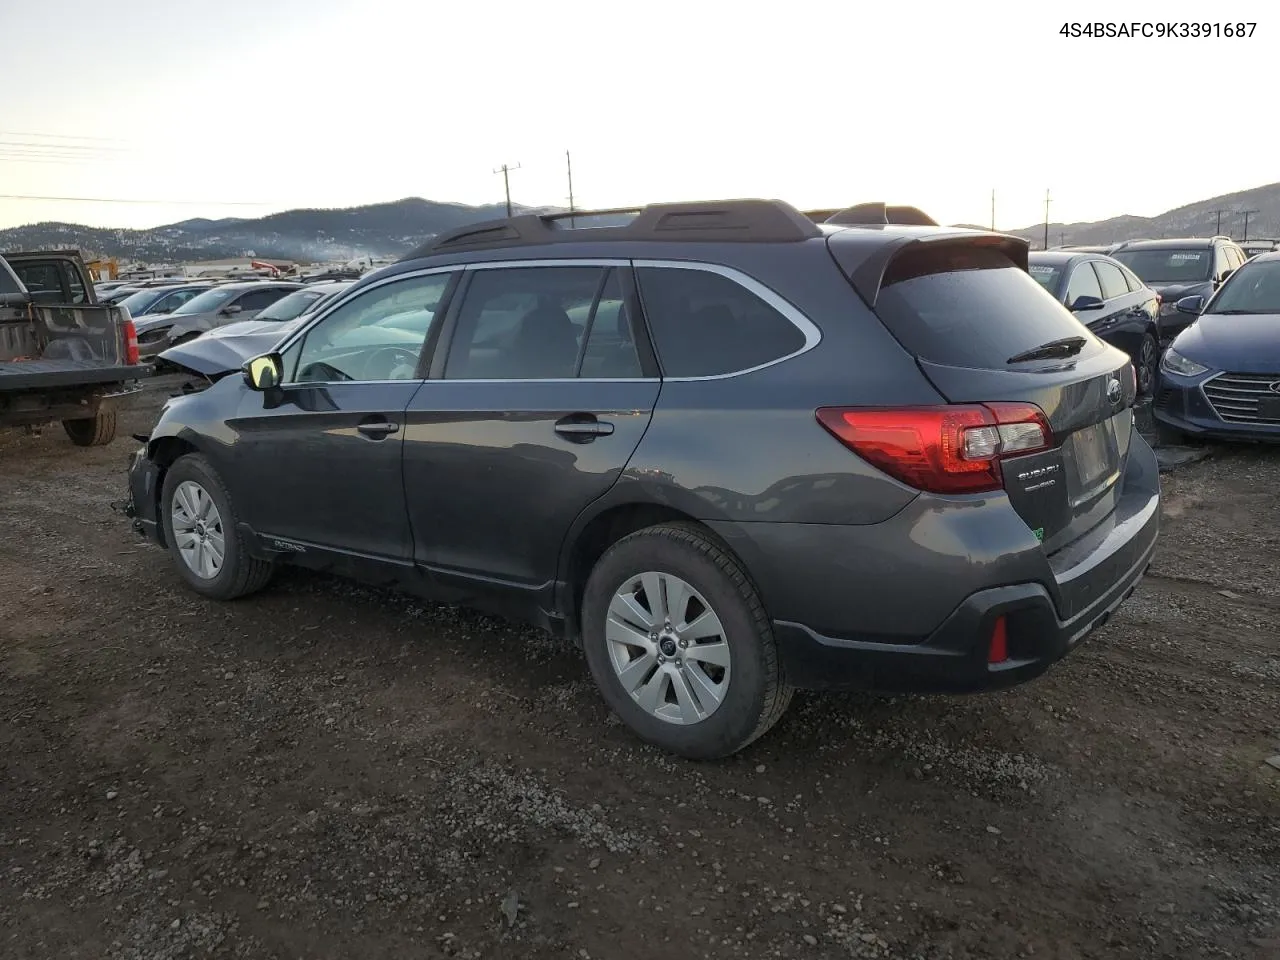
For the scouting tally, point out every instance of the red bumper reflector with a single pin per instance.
(998, 652)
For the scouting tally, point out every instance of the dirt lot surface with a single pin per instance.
(325, 771)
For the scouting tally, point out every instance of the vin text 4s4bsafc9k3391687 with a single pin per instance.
(729, 448)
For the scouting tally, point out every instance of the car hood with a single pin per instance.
(1240, 344)
(149, 321)
(224, 350)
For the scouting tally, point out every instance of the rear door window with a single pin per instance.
(1113, 282)
(968, 306)
(705, 324)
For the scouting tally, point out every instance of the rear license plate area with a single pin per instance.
(1094, 453)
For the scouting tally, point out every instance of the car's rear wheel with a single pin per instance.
(1147, 365)
(680, 645)
(96, 431)
(200, 529)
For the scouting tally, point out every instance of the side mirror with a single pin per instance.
(231, 310)
(264, 372)
(1193, 305)
(1226, 273)
(1087, 302)
(15, 299)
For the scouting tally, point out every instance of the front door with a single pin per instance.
(319, 462)
(530, 415)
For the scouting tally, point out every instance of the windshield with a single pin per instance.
(294, 305)
(206, 302)
(1047, 275)
(1168, 265)
(1255, 288)
(140, 302)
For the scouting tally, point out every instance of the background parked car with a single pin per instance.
(224, 349)
(215, 307)
(1108, 299)
(1180, 268)
(1221, 376)
(158, 300)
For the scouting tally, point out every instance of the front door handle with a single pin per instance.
(582, 430)
(378, 429)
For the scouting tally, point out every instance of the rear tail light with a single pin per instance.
(949, 449)
(130, 342)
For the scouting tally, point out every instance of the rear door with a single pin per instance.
(536, 401)
(973, 319)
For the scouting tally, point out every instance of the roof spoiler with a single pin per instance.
(873, 214)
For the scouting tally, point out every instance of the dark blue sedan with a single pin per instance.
(1221, 376)
(1109, 299)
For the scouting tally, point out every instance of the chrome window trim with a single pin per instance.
(812, 335)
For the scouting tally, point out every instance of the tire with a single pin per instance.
(1147, 362)
(753, 691)
(238, 574)
(95, 432)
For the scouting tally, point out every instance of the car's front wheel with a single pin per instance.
(680, 645)
(200, 529)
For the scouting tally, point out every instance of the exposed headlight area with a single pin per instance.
(1176, 363)
(154, 335)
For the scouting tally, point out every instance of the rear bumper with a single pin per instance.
(909, 605)
(954, 658)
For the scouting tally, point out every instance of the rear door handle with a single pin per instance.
(378, 429)
(576, 428)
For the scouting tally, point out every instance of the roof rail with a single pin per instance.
(880, 213)
(758, 221)
(1219, 236)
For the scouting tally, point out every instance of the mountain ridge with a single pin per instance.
(395, 227)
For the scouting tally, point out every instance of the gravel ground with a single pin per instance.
(327, 771)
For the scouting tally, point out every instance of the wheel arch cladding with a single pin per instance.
(600, 533)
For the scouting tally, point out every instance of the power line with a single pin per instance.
(207, 203)
(57, 136)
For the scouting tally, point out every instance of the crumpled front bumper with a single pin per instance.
(142, 506)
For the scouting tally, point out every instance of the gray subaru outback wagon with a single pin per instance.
(728, 448)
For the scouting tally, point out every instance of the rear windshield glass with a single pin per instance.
(968, 306)
(1168, 266)
(1046, 274)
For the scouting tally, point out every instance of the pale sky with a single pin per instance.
(329, 103)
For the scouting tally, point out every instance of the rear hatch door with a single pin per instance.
(983, 331)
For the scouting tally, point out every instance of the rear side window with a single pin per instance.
(42, 281)
(1083, 283)
(968, 306)
(1113, 282)
(1132, 280)
(257, 299)
(705, 324)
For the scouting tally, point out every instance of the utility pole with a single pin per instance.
(1046, 219)
(1062, 238)
(1218, 230)
(568, 162)
(993, 209)
(1246, 223)
(506, 182)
